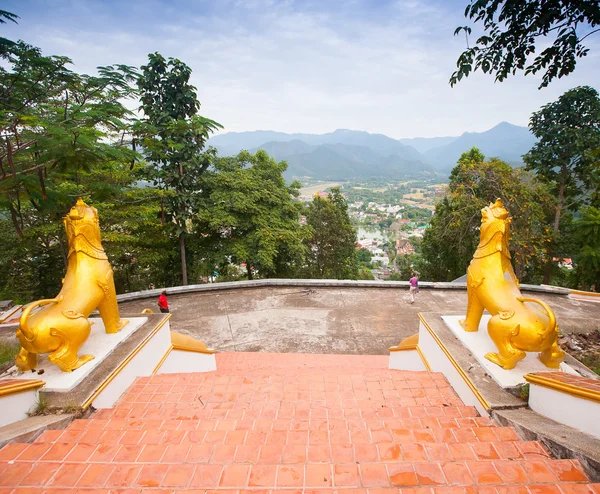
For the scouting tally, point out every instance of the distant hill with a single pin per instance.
(346, 154)
(424, 144)
(505, 141)
(345, 161)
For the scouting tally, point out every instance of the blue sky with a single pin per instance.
(301, 66)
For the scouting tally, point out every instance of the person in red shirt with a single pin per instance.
(162, 302)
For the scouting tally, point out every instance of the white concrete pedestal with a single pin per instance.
(569, 409)
(98, 344)
(479, 343)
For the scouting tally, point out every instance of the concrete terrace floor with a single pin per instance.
(343, 320)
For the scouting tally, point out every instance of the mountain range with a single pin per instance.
(349, 154)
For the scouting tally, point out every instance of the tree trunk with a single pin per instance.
(561, 202)
(183, 261)
(249, 270)
(15, 220)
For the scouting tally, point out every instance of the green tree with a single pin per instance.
(365, 274)
(452, 237)
(363, 255)
(173, 135)
(587, 238)
(513, 28)
(138, 248)
(56, 124)
(470, 157)
(331, 248)
(248, 215)
(406, 267)
(66, 135)
(568, 132)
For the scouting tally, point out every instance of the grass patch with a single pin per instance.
(592, 362)
(8, 352)
(524, 392)
(41, 407)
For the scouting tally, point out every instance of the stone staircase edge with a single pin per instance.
(27, 430)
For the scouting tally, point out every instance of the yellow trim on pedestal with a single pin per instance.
(20, 385)
(561, 387)
(458, 368)
(183, 343)
(147, 311)
(411, 343)
(9, 313)
(123, 364)
(189, 344)
(423, 358)
(587, 294)
(162, 360)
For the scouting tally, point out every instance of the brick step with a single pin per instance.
(262, 372)
(242, 421)
(290, 380)
(265, 422)
(294, 475)
(265, 425)
(173, 452)
(285, 409)
(534, 489)
(235, 361)
(186, 432)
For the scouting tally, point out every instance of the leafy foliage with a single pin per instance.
(513, 28)
(56, 125)
(333, 243)
(4, 17)
(173, 136)
(588, 239)
(248, 215)
(67, 135)
(451, 239)
(566, 154)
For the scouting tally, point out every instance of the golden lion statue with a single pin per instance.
(515, 328)
(61, 327)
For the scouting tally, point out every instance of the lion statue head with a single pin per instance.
(494, 230)
(83, 230)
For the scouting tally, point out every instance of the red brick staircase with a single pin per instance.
(287, 422)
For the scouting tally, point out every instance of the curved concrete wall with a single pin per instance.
(277, 282)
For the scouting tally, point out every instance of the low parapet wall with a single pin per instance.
(277, 282)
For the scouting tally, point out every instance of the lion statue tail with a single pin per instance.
(28, 332)
(549, 312)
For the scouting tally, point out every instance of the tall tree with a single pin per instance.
(450, 241)
(248, 215)
(565, 156)
(332, 246)
(513, 28)
(65, 135)
(53, 123)
(173, 135)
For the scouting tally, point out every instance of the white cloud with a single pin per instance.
(298, 66)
